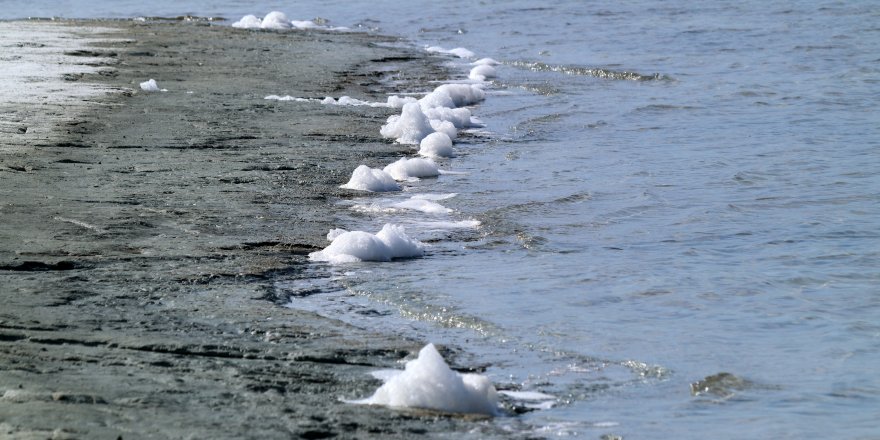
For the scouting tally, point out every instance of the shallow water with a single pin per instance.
(666, 191)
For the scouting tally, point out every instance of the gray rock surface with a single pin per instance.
(140, 237)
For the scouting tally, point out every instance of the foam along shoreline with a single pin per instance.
(160, 224)
(277, 20)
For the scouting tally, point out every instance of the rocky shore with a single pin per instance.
(141, 234)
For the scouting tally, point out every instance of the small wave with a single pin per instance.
(590, 71)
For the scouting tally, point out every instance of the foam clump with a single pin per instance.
(275, 20)
(399, 101)
(410, 127)
(429, 383)
(305, 24)
(485, 62)
(151, 86)
(365, 178)
(392, 101)
(458, 117)
(422, 205)
(483, 72)
(248, 22)
(436, 145)
(335, 233)
(287, 98)
(356, 246)
(407, 169)
(463, 94)
(458, 51)
(445, 127)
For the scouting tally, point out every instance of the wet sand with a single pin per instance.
(141, 234)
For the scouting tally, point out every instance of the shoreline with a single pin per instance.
(141, 239)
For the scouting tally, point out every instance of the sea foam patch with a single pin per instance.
(355, 246)
(391, 102)
(151, 86)
(278, 20)
(458, 51)
(436, 145)
(428, 383)
(485, 62)
(407, 169)
(365, 178)
(410, 127)
(483, 72)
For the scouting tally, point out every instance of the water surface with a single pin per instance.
(666, 191)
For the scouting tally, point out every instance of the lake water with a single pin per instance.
(666, 191)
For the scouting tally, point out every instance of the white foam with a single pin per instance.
(392, 101)
(305, 24)
(410, 127)
(459, 117)
(248, 22)
(446, 196)
(355, 246)
(365, 178)
(445, 225)
(289, 98)
(483, 72)
(407, 169)
(421, 205)
(399, 101)
(485, 62)
(401, 246)
(436, 145)
(151, 86)
(275, 20)
(335, 233)
(436, 99)
(458, 51)
(445, 127)
(429, 383)
(463, 94)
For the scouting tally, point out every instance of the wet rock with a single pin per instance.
(720, 385)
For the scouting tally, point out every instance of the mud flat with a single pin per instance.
(141, 233)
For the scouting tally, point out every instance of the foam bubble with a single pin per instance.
(445, 127)
(365, 178)
(429, 383)
(355, 246)
(482, 72)
(458, 51)
(275, 20)
(436, 145)
(410, 127)
(406, 169)
(248, 22)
